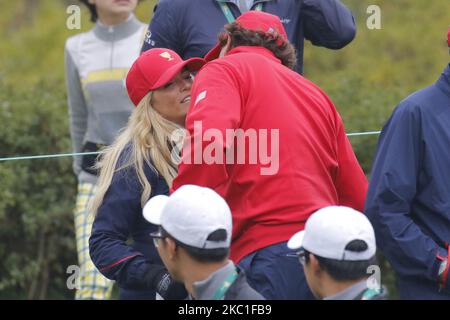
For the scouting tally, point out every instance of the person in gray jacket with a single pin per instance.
(193, 241)
(96, 63)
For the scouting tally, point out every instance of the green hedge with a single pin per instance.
(37, 196)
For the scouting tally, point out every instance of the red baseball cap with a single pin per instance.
(255, 21)
(155, 68)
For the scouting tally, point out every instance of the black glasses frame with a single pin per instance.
(162, 234)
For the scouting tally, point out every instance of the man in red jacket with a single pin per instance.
(245, 104)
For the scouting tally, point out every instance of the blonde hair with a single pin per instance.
(147, 136)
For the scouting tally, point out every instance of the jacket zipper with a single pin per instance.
(111, 30)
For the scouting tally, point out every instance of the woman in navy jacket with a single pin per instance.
(137, 166)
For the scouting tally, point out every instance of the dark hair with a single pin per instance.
(346, 270)
(93, 9)
(279, 46)
(205, 255)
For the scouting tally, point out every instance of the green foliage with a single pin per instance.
(365, 80)
(36, 220)
(369, 77)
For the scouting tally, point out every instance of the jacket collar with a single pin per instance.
(117, 32)
(350, 293)
(206, 289)
(444, 81)
(252, 49)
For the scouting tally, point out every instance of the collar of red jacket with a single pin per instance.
(258, 50)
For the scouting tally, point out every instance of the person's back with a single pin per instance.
(273, 146)
(306, 136)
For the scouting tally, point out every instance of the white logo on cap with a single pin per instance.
(166, 55)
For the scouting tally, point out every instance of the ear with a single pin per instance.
(171, 248)
(91, 2)
(314, 265)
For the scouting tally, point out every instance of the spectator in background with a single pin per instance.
(336, 249)
(193, 241)
(190, 27)
(252, 89)
(136, 167)
(408, 201)
(96, 63)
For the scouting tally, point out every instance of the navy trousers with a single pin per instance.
(276, 273)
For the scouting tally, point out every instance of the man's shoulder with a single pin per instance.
(224, 64)
(237, 62)
(419, 100)
(241, 289)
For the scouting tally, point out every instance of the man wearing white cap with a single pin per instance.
(336, 250)
(193, 241)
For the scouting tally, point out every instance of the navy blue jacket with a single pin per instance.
(408, 200)
(119, 219)
(190, 27)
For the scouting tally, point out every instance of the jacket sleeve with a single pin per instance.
(77, 109)
(215, 107)
(111, 228)
(163, 31)
(392, 189)
(328, 23)
(351, 182)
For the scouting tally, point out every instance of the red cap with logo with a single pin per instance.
(254, 21)
(154, 69)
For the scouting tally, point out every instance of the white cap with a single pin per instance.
(329, 230)
(190, 215)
